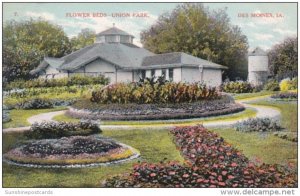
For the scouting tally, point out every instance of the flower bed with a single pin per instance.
(69, 151)
(46, 130)
(84, 109)
(148, 92)
(210, 162)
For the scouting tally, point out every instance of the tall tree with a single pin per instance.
(25, 43)
(283, 59)
(194, 29)
(84, 38)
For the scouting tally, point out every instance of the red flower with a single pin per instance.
(136, 174)
(233, 165)
(221, 184)
(153, 174)
(224, 173)
(230, 177)
(185, 175)
(200, 180)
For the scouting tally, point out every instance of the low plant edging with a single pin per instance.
(206, 108)
(46, 130)
(210, 163)
(290, 136)
(285, 96)
(72, 152)
(258, 125)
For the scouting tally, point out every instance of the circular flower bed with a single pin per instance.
(85, 109)
(72, 151)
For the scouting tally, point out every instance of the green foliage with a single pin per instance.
(258, 125)
(283, 59)
(272, 85)
(288, 84)
(196, 30)
(46, 130)
(145, 93)
(237, 87)
(35, 104)
(84, 38)
(60, 82)
(26, 42)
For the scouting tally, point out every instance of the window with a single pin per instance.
(171, 74)
(143, 74)
(164, 73)
(152, 73)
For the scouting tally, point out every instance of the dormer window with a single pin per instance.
(114, 35)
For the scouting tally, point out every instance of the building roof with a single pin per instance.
(114, 31)
(258, 52)
(119, 54)
(178, 58)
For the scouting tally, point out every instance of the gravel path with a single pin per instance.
(262, 111)
(44, 117)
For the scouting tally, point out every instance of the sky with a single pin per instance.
(264, 24)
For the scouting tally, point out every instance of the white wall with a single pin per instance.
(123, 76)
(158, 72)
(51, 70)
(102, 67)
(191, 75)
(177, 75)
(148, 73)
(212, 77)
(258, 63)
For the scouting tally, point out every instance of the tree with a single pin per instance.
(84, 38)
(25, 43)
(193, 29)
(283, 59)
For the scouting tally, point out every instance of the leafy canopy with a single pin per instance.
(283, 59)
(194, 29)
(25, 43)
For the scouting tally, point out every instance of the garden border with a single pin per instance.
(135, 155)
(77, 113)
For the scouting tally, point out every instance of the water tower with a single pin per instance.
(258, 70)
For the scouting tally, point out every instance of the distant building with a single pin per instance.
(258, 70)
(115, 56)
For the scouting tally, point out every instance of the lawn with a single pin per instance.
(265, 146)
(154, 146)
(262, 146)
(19, 117)
(240, 96)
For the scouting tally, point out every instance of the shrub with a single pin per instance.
(35, 104)
(145, 93)
(272, 85)
(288, 84)
(210, 162)
(258, 124)
(68, 81)
(237, 87)
(5, 116)
(287, 96)
(61, 129)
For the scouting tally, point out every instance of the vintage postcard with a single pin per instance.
(150, 95)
